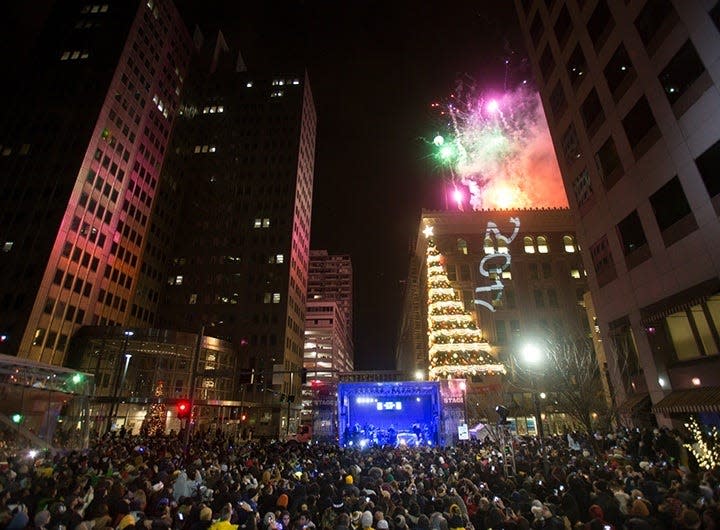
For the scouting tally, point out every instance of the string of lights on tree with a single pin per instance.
(456, 346)
(154, 422)
(705, 446)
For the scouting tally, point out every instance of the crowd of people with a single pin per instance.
(629, 480)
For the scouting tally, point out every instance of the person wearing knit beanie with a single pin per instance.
(366, 520)
(282, 501)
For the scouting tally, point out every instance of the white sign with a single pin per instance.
(463, 433)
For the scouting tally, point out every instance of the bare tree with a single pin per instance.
(568, 369)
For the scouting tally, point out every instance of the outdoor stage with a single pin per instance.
(408, 413)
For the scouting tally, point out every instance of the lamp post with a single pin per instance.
(193, 375)
(533, 357)
(120, 380)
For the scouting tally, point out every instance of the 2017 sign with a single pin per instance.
(494, 264)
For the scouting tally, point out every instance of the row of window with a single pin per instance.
(117, 276)
(214, 109)
(74, 55)
(672, 213)
(205, 149)
(72, 314)
(530, 245)
(69, 281)
(50, 340)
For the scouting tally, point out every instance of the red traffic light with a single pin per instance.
(183, 409)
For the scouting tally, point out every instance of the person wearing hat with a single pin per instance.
(355, 519)
(366, 520)
(382, 524)
(282, 501)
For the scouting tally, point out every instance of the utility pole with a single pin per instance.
(119, 380)
(191, 397)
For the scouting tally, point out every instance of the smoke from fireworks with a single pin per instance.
(500, 149)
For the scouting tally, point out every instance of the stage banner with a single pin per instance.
(452, 393)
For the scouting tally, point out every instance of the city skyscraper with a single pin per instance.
(331, 278)
(630, 90)
(244, 160)
(83, 141)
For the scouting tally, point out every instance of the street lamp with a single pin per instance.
(419, 375)
(533, 357)
(120, 380)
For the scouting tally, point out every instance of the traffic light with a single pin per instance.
(183, 409)
(17, 418)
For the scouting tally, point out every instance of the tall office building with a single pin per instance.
(246, 149)
(630, 89)
(82, 144)
(331, 278)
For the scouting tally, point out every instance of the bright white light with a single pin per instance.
(417, 399)
(531, 354)
(661, 382)
(543, 395)
(419, 375)
(32, 453)
(493, 105)
(428, 231)
(695, 381)
(363, 443)
(350, 442)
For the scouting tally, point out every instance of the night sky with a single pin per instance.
(375, 67)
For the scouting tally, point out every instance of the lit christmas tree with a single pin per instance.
(455, 344)
(154, 422)
(705, 445)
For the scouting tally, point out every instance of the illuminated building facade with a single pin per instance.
(83, 142)
(328, 337)
(630, 90)
(331, 278)
(245, 161)
(542, 284)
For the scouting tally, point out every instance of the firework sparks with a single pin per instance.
(500, 149)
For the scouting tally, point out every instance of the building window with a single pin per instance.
(672, 212)
(608, 164)
(542, 245)
(577, 67)
(506, 274)
(7, 246)
(569, 244)
(536, 28)
(500, 332)
(547, 63)
(592, 113)
(681, 72)
(546, 269)
(502, 247)
(462, 246)
(267, 298)
(280, 258)
(655, 22)
(558, 103)
(632, 239)
(575, 273)
(563, 26)
(510, 298)
(552, 298)
(266, 223)
(539, 298)
(38, 337)
(600, 24)
(582, 187)
(571, 145)
(708, 165)
(276, 298)
(489, 246)
(178, 280)
(529, 245)
(533, 271)
(619, 73)
(515, 326)
(638, 124)
(715, 15)
(257, 223)
(603, 262)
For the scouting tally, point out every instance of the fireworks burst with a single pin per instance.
(500, 149)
